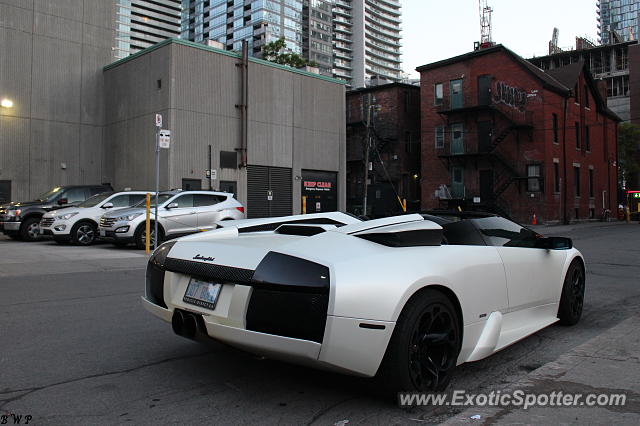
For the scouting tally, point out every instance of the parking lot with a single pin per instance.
(77, 347)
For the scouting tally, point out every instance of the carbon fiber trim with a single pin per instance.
(208, 271)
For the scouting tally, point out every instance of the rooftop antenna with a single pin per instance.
(485, 24)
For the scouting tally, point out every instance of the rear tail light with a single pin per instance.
(240, 209)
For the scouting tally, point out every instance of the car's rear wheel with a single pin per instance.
(84, 233)
(424, 347)
(141, 235)
(30, 229)
(572, 298)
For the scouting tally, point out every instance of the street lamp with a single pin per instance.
(6, 103)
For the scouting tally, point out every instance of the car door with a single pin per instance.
(208, 209)
(533, 274)
(181, 219)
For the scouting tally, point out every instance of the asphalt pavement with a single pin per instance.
(77, 348)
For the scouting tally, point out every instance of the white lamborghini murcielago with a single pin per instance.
(406, 298)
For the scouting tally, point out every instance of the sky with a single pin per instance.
(438, 29)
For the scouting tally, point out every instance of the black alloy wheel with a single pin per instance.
(423, 350)
(572, 299)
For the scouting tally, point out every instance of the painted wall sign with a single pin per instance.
(510, 96)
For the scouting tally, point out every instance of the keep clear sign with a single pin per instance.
(164, 139)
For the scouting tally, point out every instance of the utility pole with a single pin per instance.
(366, 155)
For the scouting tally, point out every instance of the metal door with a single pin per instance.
(486, 185)
(269, 191)
(191, 184)
(455, 92)
(229, 186)
(484, 90)
(319, 191)
(457, 142)
(5, 191)
(457, 182)
(484, 135)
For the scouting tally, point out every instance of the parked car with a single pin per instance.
(80, 224)
(406, 298)
(20, 220)
(179, 213)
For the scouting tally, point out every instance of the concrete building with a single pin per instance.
(501, 134)
(609, 63)
(290, 133)
(143, 23)
(394, 118)
(376, 40)
(51, 55)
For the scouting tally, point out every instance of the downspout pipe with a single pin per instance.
(244, 95)
(565, 217)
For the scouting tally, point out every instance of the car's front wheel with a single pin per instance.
(424, 347)
(572, 298)
(30, 229)
(141, 235)
(84, 233)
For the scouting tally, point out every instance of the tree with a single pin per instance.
(628, 152)
(273, 52)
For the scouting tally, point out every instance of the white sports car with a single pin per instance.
(407, 298)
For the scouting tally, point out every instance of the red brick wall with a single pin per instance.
(522, 147)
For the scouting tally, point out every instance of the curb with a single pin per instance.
(605, 347)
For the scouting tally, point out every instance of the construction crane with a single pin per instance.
(485, 24)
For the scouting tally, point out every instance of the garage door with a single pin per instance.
(269, 191)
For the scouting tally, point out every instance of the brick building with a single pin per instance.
(395, 148)
(500, 134)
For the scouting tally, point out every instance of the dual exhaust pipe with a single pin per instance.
(187, 325)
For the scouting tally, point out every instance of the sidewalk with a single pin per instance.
(558, 229)
(607, 364)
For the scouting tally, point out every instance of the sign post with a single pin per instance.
(155, 216)
(147, 224)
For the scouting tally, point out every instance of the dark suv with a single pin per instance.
(19, 220)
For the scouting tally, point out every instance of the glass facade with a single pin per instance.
(619, 17)
(143, 23)
(322, 31)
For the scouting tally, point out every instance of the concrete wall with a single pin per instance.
(51, 55)
(295, 120)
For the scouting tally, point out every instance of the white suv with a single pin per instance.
(179, 213)
(80, 224)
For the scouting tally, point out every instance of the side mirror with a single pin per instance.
(63, 201)
(172, 206)
(554, 243)
(107, 205)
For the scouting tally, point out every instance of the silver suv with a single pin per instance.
(179, 213)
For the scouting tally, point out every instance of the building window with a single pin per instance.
(591, 183)
(556, 177)
(533, 181)
(439, 93)
(440, 137)
(577, 135)
(586, 96)
(576, 180)
(555, 127)
(587, 142)
(407, 143)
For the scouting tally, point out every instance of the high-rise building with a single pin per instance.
(142, 23)
(352, 40)
(617, 20)
(376, 40)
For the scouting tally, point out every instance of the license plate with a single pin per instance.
(103, 233)
(202, 293)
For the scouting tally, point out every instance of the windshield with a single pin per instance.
(49, 194)
(162, 198)
(95, 200)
